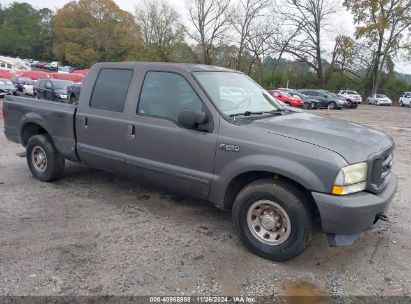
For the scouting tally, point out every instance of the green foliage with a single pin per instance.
(23, 31)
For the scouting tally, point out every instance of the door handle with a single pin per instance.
(85, 122)
(131, 132)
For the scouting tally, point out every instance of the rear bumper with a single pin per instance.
(354, 213)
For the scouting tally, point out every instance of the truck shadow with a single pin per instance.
(133, 196)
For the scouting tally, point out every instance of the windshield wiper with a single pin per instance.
(246, 113)
(249, 113)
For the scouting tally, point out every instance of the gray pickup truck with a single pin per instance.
(215, 134)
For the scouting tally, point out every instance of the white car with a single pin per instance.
(28, 88)
(405, 99)
(379, 100)
(351, 94)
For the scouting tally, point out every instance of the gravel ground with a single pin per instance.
(94, 233)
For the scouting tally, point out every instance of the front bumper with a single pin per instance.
(353, 213)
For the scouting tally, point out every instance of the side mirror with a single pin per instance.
(191, 118)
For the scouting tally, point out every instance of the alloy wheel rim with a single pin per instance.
(268, 222)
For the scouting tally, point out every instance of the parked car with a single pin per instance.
(42, 64)
(65, 69)
(20, 81)
(28, 89)
(405, 99)
(7, 87)
(351, 94)
(73, 93)
(379, 100)
(351, 102)
(327, 99)
(279, 170)
(309, 102)
(52, 89)
(288, 90)
(289, 100)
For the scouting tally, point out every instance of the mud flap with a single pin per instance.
(339, 240)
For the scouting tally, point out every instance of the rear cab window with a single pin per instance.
(110, 89)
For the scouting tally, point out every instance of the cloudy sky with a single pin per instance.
(342, 24)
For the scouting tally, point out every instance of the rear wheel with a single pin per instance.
(44, 161)
(36, 96)
(273, 220)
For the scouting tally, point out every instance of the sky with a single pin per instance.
(342, 24)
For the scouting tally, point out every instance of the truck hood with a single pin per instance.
(352, 141)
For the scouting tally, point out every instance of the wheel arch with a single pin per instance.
(31, 127)
(245, 178)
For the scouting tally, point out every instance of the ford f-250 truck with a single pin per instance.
(215, 134)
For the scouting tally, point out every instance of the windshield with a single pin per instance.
(62, 84)
(352, 93)
(285, 94)
(380, 96)
(234, 93)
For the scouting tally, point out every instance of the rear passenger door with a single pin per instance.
(48, 90)
(39, 90)
(101, 121)
(159, 148)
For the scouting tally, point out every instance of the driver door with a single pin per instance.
(161, 150)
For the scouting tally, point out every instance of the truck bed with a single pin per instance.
(57, 119)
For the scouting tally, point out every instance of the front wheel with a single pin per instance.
(401, 104)
(273, 220)
(44, 161)
(332, 105)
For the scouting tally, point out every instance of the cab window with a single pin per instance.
(165, 94)
(110, 90)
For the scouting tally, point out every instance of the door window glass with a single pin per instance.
(165, 94)
(110, 89)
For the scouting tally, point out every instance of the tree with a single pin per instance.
(210, 20)
(310, 17)
(161, 29)
(386, 24)
(21, 31)
(244, 17)
(88, 31)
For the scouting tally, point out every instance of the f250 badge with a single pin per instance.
(229, 148)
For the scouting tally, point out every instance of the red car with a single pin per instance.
(287, 99)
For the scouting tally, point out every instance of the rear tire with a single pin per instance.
(44, 161)
(280, 205)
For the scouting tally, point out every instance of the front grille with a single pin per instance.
(381, 170)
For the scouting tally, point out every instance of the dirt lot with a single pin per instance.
(94, 233)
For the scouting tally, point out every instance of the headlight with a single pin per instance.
(350, 179)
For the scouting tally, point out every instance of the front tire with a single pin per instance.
(332, 105)
(273, 220)
(44, 161)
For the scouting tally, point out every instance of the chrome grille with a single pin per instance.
(381, 170)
